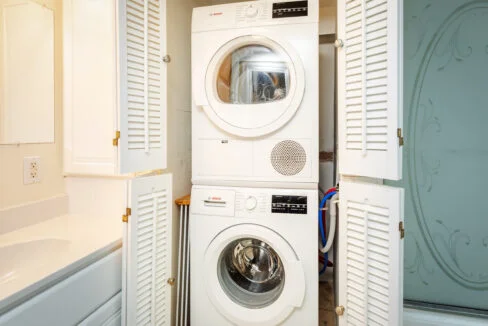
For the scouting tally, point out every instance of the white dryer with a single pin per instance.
(255, 94)
(253, 257)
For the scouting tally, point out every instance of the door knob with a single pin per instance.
(339, 43)
(339, 310)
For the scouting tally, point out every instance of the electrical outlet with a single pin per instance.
(32, 169)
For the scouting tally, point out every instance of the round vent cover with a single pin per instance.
(288, 157)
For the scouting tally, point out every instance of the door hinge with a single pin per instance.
(401, 228)
(115, 141)
(400, 137)
(125, 217)
(171, 281)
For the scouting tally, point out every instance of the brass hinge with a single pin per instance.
(401, 228)
(400, 137)
(171, 281)
(125, 217)
(115, 141)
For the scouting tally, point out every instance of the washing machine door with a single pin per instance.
(253, 276)
(254, 85)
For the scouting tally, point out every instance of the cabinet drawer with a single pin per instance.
(71, 300)
(109, 314)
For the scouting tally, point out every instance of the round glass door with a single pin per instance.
(253, 74)
(251, 273)
(254, 85)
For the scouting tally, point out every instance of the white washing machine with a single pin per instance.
(253, 256)
(255, 94)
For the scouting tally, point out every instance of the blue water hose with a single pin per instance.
(322, 231)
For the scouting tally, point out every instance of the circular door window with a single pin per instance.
(253, 276)
(254, 85)
(251, 273)
(253, 74)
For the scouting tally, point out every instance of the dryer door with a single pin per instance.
(254, 85)
(253, 276)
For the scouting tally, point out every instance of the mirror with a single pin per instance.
(26, 72)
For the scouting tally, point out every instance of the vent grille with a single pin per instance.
(369, 240)
(144, 74)
(152, 259)
(370, 90)
(366, 75)
(288, 157)
(368, 243)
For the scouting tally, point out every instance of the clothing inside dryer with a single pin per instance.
(253, 74)
(251, 272)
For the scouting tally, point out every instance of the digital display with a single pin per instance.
(290, 9)
(289, 204)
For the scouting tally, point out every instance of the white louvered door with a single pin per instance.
(370, 255)
(142, 91)
(370, 87)
(147, 253)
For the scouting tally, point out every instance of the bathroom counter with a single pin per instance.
(36, 257)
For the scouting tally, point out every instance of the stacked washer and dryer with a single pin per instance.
(253, 214)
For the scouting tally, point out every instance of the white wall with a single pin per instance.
(327, 93)
(12, 190)
(179, 108)
(327, 62)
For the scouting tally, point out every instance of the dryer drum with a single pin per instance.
(288, 157)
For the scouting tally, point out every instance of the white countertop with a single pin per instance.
(36, 257)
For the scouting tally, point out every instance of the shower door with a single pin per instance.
(446, 152)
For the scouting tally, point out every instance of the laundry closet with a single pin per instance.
(281, 118)
(150, 62)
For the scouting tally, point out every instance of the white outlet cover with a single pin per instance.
(32, 169)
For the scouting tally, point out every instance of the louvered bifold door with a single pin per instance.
(147, 253)
(142, 43)
(370, 87)
(370, 247)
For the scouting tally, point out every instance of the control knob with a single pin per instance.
(251, 11)
(251, 203)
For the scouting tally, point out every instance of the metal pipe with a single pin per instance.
(187, 267)
(180, 273)
(184, 267)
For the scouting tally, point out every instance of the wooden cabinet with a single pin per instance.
(114, 86)
(144, 204)
(115, 127)
(370, 232)
(147, 248)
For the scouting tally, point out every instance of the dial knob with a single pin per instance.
(251, 203)
(251, 11)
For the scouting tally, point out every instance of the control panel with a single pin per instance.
(285, 204)
(290, 9)
(251, 12)
(254, 14)
(257, 204)
(250, 204)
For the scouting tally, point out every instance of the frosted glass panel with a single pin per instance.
(446, 152)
